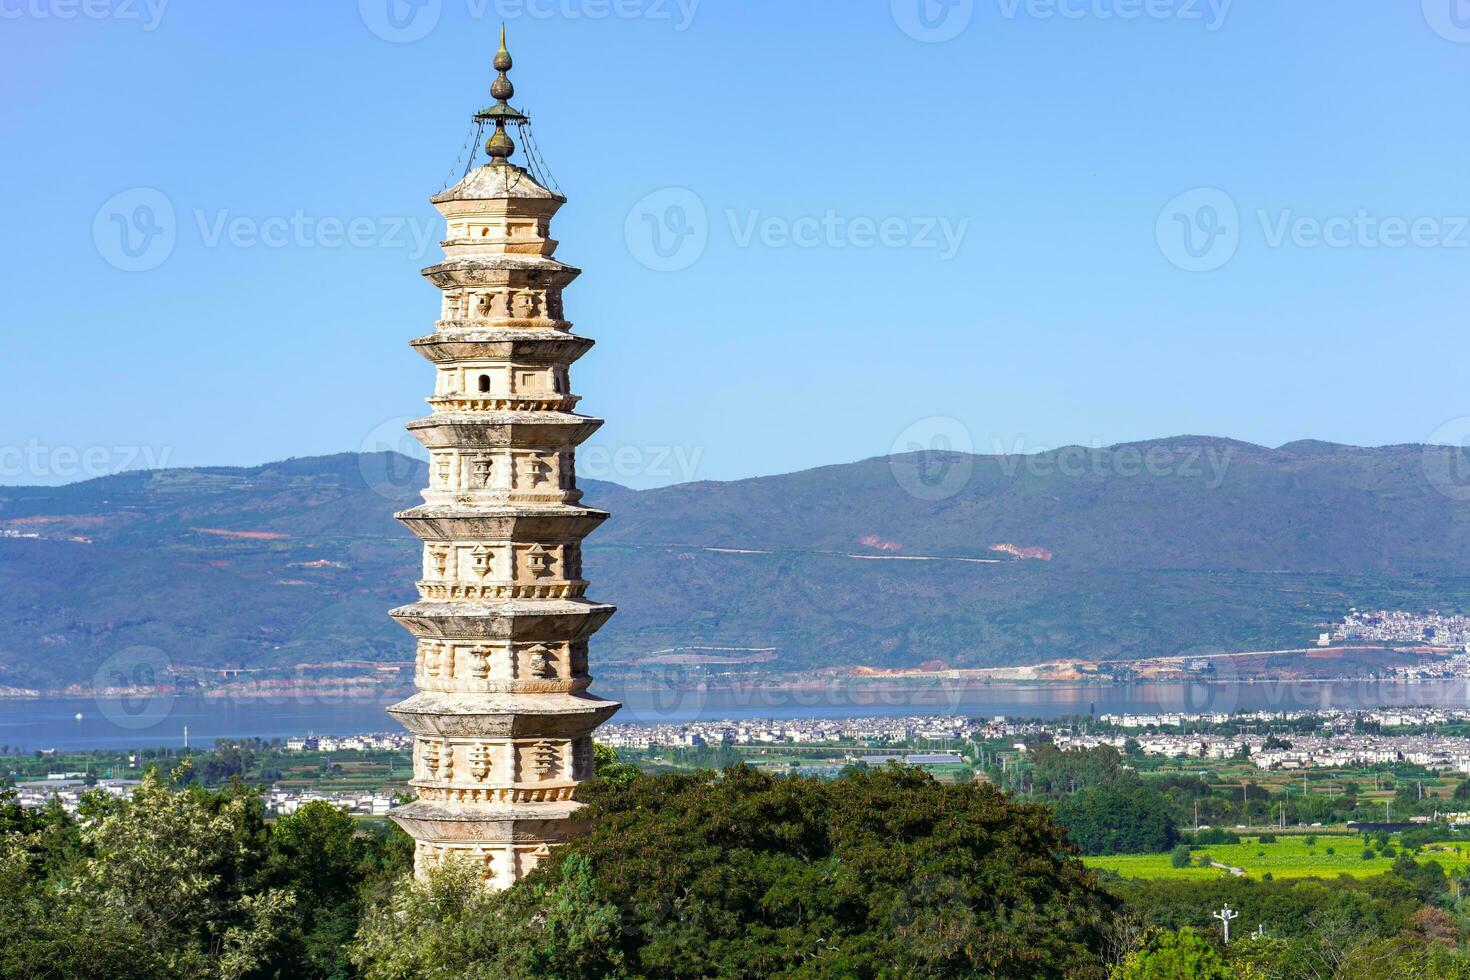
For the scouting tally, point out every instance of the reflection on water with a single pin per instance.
(29, 725)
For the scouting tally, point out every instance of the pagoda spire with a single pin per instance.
(500, 146)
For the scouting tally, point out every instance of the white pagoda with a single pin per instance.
(502, 719)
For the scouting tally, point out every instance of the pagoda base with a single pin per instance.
(504, 840)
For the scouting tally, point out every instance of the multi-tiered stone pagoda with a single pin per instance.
(502, 721)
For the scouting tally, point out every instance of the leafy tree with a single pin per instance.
(745, 874)
(1405, 958)
(1055, 771)
(606, 766)
(1177, 955)
(1179, 857)
(179, 868)
(185, 883)
(1124, 818)
(316, 855)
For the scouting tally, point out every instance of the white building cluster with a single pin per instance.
(373, 742)
(1397, 626)
(68, 788)
(1335, 745)
(787, 731)
(283, 802)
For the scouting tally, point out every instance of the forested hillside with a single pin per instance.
(1182, 544)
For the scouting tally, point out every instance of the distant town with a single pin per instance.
(1434, 738)
(1385, 626)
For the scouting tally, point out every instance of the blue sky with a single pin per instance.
(1007, 224)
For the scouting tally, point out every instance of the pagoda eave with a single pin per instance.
(503, 430)
(533, 345)
(523, 621)
(433, 523)
(496, 823)
(436, 714)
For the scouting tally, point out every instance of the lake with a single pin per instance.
(31, 724)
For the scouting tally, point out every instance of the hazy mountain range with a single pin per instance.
(1187, 544)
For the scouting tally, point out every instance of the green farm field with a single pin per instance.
(1287, 857)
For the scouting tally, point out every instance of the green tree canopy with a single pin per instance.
(1178, 955)
(743, 874)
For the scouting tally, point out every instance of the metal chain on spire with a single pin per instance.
(539, 167)
(471, 144)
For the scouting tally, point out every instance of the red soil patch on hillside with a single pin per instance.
(241, 535)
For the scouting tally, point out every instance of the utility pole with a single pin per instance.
(1225, 916)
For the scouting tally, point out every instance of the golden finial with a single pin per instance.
(501, 146)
